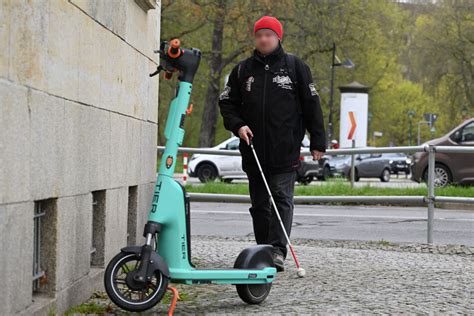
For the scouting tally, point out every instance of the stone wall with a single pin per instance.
(78, 136)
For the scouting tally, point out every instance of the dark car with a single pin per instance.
(399, 162)
(367, 166)
(311, 169)
(337, 164)
(449, 167)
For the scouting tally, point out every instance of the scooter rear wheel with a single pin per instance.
(127, 298)
(253, 293)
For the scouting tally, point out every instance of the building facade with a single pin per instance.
(78, 136)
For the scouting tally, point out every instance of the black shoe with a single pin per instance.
(278, 260)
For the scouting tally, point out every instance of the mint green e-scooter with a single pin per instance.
(137, 278)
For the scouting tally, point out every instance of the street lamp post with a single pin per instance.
(335, 63)
(411, 114)
(419, 130)
(331, 94)
(369, 123)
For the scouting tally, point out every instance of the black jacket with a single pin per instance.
(263, 96)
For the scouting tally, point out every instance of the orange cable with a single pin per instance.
(173, 301)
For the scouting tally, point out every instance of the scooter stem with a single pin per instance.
(186, 61)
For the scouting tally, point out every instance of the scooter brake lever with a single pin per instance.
(158, 69)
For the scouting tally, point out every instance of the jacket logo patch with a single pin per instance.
(313, 90)
(283, 82)
(248, 83)
(225, 94)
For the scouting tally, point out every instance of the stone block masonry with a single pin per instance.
(78, 136)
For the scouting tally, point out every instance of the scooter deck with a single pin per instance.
(223, 275)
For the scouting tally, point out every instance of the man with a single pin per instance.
(270, 98)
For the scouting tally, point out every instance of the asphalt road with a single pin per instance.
(394, 224)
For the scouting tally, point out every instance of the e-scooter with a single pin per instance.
(137, 277)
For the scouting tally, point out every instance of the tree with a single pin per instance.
(443, 56)
(413, 55)
(223, 13)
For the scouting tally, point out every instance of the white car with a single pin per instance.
(209, 167)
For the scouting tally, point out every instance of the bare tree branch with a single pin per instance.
(192, 30)
(231, 56)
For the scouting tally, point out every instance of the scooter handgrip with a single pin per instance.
(174, 51)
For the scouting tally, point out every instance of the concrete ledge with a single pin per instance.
(146, 4)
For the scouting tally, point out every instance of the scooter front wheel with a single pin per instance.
(253, 293)
(127, 296)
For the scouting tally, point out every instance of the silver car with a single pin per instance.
(209, 167)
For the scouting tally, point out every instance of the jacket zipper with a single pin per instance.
(263, 109)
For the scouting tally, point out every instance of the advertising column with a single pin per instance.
(354, 115)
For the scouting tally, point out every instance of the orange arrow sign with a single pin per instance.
(353, 125)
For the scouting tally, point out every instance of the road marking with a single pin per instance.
(338, 215)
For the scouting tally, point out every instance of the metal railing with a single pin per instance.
(429, 199)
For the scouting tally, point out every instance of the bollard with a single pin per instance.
(431, 192)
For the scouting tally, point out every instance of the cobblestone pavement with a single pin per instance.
(341, 277)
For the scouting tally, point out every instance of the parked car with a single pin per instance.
(449, 167)
(399, 162)
(210, 167)
(311, 169)
(338, 164)
(365, 166)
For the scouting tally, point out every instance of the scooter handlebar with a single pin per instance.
(173, 58)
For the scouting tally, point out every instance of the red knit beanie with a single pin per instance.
(269, 22)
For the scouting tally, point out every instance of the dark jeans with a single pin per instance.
(266, 226)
